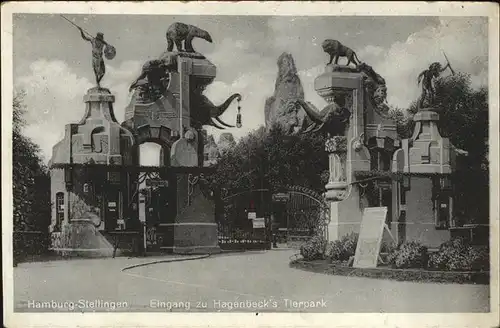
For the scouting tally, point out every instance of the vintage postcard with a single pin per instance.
(261, 164)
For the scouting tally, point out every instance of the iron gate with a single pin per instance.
(236, 230)
(306, 214)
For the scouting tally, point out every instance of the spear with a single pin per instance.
(78, 27)
(451, 69)
(81, 29)
(109, 51)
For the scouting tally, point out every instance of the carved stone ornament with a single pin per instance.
(332, 120)
(153, 80)
(376, 89)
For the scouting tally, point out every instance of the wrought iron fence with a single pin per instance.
(235, 229)
(307, 215)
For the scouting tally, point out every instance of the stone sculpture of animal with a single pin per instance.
(205, 111)
(333, 119)
(180, 32)
(336, 49)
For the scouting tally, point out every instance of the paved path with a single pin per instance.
(252, 281)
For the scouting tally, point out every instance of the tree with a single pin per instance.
(31, 182)
(273, 159)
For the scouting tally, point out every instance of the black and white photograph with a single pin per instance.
(202, 159)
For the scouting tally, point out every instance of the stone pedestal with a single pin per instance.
(347, 153)
(87, 194)
(426, 159)
(172, 120)
(194, 229)
(427, 151)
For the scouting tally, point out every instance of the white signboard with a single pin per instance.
(252, 215)
(370, 237)
(142, 208)
(258, 223)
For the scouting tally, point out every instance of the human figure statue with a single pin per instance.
(98, 44)
(427, 78)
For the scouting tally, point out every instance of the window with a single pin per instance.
(59, 211)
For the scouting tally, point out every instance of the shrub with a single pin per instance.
(387, 251)
(458, 255)
(407, 255)
(388, 248)
(314, 249)
(341, 250)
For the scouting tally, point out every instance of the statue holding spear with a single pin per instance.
(98, 46)
(427, 79)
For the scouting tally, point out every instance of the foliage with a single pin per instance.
(410, 254)
(313, 249)
(31, 181)
(458, 255)
(389, 247)
(341, 250)
(270, 159)
(336, 144)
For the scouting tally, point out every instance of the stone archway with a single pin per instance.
(160, 135)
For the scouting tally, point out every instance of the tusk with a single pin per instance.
(319, 127)
(309, 128)
(223, 123)
(212, 123)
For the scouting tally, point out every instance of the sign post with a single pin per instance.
(370, 237)
(258, 223)
(281, 197)
(156, 183)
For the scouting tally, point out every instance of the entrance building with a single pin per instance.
(95, 173)
(371, 166)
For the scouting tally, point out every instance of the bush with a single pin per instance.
(388, 247)
(314, 249)
(341, 250)
(407, 255)
(458, 255)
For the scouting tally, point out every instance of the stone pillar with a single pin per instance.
(194, 229)
(344, 87)
(96, 139)
(337, 155)
(429, 153)
(430, 156)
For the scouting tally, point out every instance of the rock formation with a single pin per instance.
(288, 86)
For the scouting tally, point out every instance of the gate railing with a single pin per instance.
(308, 215)
(235, 230)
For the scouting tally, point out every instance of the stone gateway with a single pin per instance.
(95, 168)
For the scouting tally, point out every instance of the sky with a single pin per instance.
(52, 64)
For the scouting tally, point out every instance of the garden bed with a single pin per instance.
(416, 275)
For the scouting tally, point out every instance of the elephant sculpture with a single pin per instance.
(206, 113)
(154, 78)
(332, 120)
